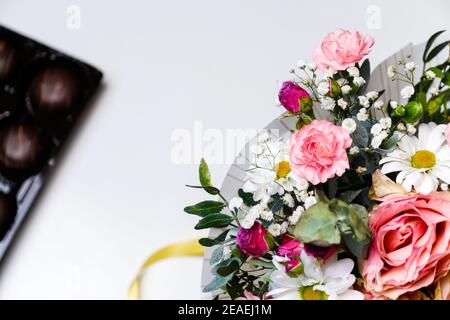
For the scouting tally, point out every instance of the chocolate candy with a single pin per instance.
(54, 91)
(8, 210)
(21, 150)
(7, 59)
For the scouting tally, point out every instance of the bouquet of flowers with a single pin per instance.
(352, 202)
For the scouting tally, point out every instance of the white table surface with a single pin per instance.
(117, 195)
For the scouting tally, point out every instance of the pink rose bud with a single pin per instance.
(292, 96)
(342, 49)
(447, 133)
(291, 265)
(289, 247)
(252, 241)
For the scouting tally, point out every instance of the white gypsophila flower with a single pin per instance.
(275, 229)
(327, 103)
(349, 124)
(306, 82)
(444, 186)
(410, 66)
(378, 104)
(323, 88)
(330, 280)
(364, 101)
(266, 215)
(353, 72)
(346, 89)
(391, 72)
(362, 115)
(284, 227)
(407, 92)
(288, 200)
(342, 103)
(386, 123)
(301, 195)
(376, 129)
(359, 81)
(377, 141)
(329, 73)
(235, 203)
(310, 201)
(430, 75)
(410, 129)
(401, 127)
(247, 222)
(354, 150)
(341, 82)
(422, 162)
(434, 91)
(393, 104)
(293, 219)
(312, 66)
(301, 64)
(372, 95)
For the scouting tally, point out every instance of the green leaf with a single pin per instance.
(216, 255)
(247, 197)
(226, 267)
(276, 204)
(205, 208)
(361, 211)
(208, 242)
(215, 220)
(211, 190)
(317, 225)
(350, 195)
(430, 43)
(437, 50)
(260, 263)
(438, 72)
(218, 282)
(360, 136)
(365, 73)
(204, 174)
(390, 143)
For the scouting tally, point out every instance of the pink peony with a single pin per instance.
(318, 151)
(342, 49)
(252, 241)
(289, 247)
(447, 133)
(289, 96)
(411, 243)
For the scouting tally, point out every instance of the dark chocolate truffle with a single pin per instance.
(7, 59)
(8, 210)
(54, 90)
(21, 150)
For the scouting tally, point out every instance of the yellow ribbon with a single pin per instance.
(190, 248)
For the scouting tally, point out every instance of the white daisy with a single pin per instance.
(331, 281)
(422, 162)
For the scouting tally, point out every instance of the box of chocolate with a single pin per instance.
(43, 93)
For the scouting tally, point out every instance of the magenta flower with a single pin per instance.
(290, 95)
(252, 241)
(289, 247)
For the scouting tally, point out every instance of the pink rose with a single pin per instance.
(411, 243)
(289, 96)
(342, 49)
(289, 247)
(447, 133)
(252, 241)
(319, 252)
(318, 151)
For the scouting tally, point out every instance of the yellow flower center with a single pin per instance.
(423, 159)
(308, 293)
(282, 168)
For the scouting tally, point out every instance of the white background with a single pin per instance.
(117, 196)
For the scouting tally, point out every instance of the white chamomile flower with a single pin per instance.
(323, 88)
(410, 66)
(434, 91)
(354, 150)
(353, 72)
(385, 123)
(372, 95)
(362, 115)
(359, 81)
(421, 162)
(393, 104)
(342, 103)
(410, 129)
(327, 103)
(391, 72)
(235, 203)
(444, 186)
(349, 124)
(407, 92)
(293, 219)
(301, 64)
(310, 201)
(376, 129)
(288, 200)
(332, 280)
(275, 229)
(378, 104)
(364, 101)
(430, 75)
(346, 89)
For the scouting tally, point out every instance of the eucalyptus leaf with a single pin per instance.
(365, 73)
(216, 255)
(360, 136)
(349, 195)
(215, 220)
(205, 208)
(218, 282)
(226, 267)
